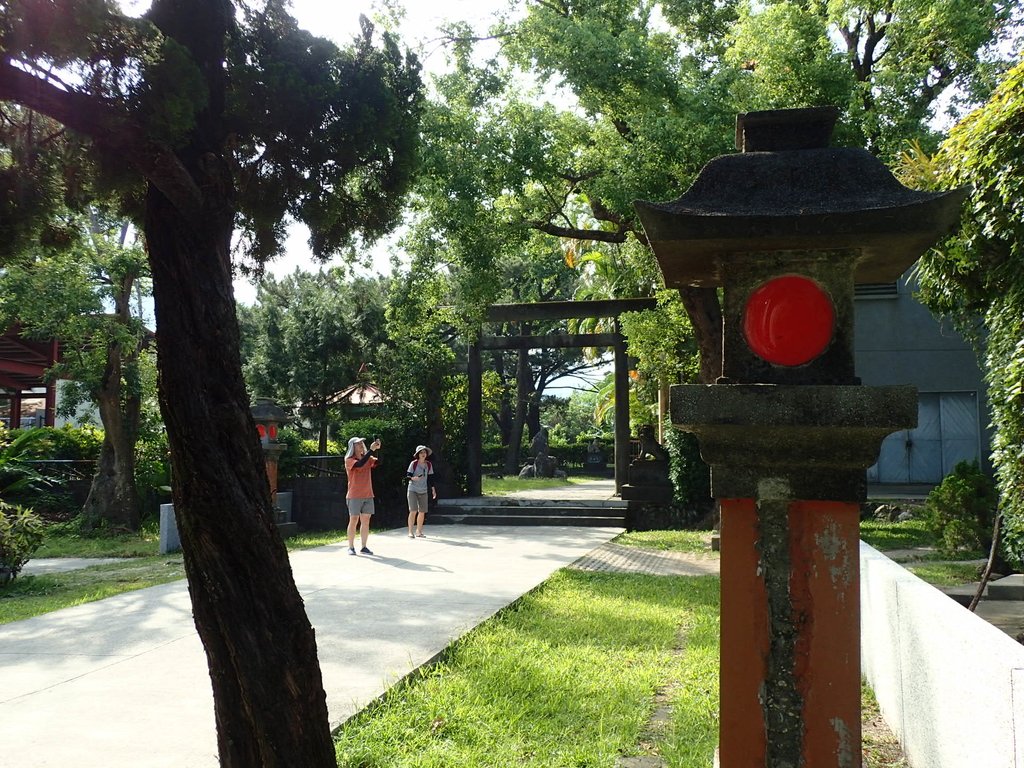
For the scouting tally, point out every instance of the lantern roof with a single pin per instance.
(788, 191)
(265, 409)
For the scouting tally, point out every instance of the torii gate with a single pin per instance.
(552, 310)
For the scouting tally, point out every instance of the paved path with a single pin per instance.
(41, 565)
(123, 682)
(615, 557)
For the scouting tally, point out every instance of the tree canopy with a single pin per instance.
(980, 272)
(87, 292)
(587, 106)
(307, 337)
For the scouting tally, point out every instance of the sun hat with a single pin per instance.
(421, 448)
(352, 446)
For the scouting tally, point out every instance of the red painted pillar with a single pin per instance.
(744, 638)
(15, 421)
(790, 571)
(825, 587)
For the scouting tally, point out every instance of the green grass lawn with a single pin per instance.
(887, 536)
(570, 675)
(946, 574)
(33, 595)
(566, 676)
(931, 564)
(697, 542)
(493, 486)
(66, 541)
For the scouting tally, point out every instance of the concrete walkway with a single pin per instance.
(44, 565)
(123, 682)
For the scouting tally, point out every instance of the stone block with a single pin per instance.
(1007, 588)
(169, 541)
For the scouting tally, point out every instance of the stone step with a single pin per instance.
(1007, 588)
(532, 511)
(470, 518)
(511, 501)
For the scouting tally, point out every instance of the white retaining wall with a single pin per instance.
(949, 684)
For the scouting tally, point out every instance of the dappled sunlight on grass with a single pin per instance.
(492, 486)
(697, 542)
(30, 595)
(946, 574)
(904, 535)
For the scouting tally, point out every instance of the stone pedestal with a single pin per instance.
(169, 541)
(788, 464)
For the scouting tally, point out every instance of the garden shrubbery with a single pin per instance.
(691, 478)
(21, 533)
(960, 511)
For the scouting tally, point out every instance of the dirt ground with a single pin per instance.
(879, 746)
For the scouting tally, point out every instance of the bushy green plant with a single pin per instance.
(21, 533)
(959, 511)
(73, 443)
(18, 448)
(691, 477)
(152, 462)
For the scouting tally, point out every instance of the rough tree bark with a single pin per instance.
(113, 495)
(524, 382)
(705, 313)
(444, 474)
(269, 701)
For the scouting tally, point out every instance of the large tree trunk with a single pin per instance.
(113, 496)
(524, 382)
(705, 313)
(533, 424)
(503, 418)
(269, 700)
(444, 474)
(322, 413)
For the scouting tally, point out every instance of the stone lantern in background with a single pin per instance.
(269, 417)
(786, 228)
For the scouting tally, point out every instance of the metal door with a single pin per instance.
(947, 432)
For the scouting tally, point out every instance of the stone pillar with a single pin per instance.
(786, 228)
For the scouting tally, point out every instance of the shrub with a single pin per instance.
(960, 510)
(73, 443)
(152, 462)
(691, 477)
(19, 448)
(21, 533)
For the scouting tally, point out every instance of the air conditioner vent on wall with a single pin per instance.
(875, 291)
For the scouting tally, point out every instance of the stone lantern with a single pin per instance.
(786, 228)
(269, 417)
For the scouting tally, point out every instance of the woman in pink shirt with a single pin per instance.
(358, 464)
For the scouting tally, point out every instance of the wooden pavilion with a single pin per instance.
(23, 365)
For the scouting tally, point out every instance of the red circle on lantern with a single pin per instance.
(273, 431)
(261, 430)
(789, 320)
